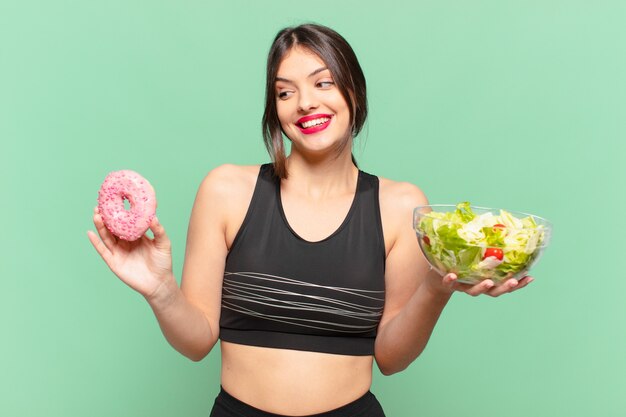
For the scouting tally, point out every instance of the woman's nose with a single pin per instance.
(307, 101)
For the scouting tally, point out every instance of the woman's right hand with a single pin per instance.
(144, 265)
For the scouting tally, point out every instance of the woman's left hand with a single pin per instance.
(449, 284)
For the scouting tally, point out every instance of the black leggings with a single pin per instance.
(228, 406)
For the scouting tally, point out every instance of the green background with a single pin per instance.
(513, 104)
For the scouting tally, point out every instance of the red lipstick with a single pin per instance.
(315, 128)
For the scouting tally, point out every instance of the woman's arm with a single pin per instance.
(410, 312)
(415, 294)
(189, 315)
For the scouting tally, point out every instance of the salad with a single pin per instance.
(480, 246)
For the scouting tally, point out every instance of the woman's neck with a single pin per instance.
(321, 178)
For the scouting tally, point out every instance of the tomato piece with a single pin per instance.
(500, 225)
(495, 252)
(427, 240)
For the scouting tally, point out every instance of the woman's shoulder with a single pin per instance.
(229, 183)
(400, 195)
(397, 201)
(231, 173)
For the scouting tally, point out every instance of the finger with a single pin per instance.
(523, 282)
(452, 280)
(461, 287)
(100, 247)
(107, 237)
(480, 288)
(449, 282)
(161, 241)
(504, 288)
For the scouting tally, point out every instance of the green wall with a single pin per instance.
(514, 104)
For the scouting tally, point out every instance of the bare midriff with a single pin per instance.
(293, 382)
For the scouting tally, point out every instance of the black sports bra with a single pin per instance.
(282, 291)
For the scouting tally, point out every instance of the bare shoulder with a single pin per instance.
(397, 201)
(225, 194)
(230, 178)
(228, 184)
(397, 196)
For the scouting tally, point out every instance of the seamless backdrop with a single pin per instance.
(513, 104)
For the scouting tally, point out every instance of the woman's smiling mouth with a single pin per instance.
(313, 123)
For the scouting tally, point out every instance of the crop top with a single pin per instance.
(282, 291)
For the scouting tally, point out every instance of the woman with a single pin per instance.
(307, 269)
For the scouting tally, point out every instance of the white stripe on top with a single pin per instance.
(281, 299)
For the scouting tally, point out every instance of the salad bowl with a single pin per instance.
(478, 243)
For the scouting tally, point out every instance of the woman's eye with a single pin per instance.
(283, 94)
(325, 84)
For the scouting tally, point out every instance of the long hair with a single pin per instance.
(344, 67)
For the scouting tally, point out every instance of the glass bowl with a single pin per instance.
(478, 243)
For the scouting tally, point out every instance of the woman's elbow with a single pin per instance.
(390, 367)
(198, 353)
(196, 357)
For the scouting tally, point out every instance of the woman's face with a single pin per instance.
(311, 109)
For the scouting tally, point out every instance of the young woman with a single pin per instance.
(307, 269)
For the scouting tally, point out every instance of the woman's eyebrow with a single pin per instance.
(317, 71)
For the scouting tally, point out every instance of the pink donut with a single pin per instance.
(126, 224)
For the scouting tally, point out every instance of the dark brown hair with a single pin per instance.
(343, 65)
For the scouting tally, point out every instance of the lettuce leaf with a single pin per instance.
(457, 241)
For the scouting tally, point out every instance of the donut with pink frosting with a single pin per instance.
(128, 185)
